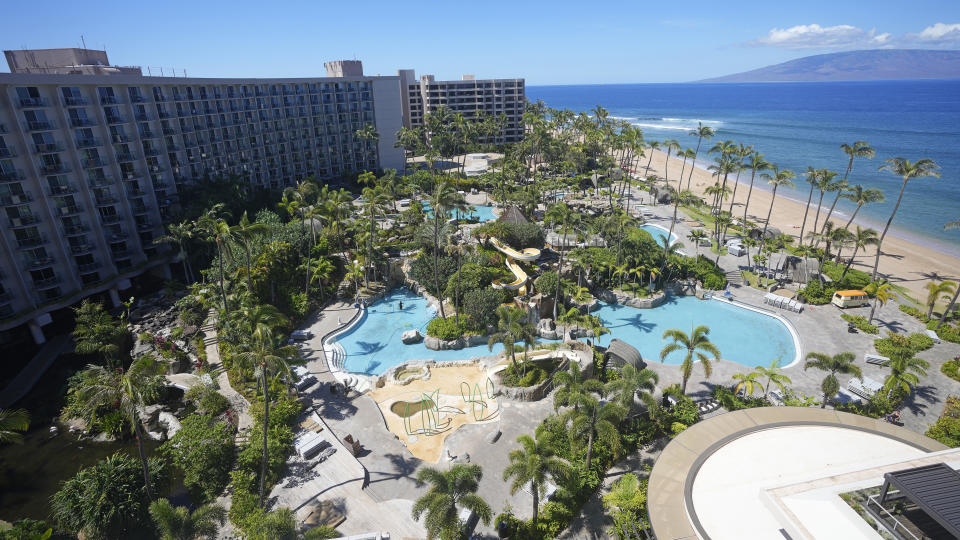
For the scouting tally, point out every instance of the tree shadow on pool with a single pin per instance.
(370, 347)
(634, 321)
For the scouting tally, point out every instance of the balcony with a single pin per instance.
(141, 210)
(118, 138)
(117, 236)
(39, 125)
(91, 163)
(147, 134)
(46, 148)
(87, 143)
(16, 199)
(160, 97)
(32, 241)
(168, 131)
(32, 102)
(109, 100)
(135, 193)
(172, 148)
(24, 221)
(111, 218)
(80, 122)
(74, 230)
(53, 168)
(144, 226)
(33, 264)
(106, 200)
(7, 152)
(131, 174)
(74, 101)
(99, 181)
(142, 117)
(80, 249)
(115, 119)
(48, 283)
(164, 114)
(70, 210)
(121, 254)
(61, 189)
(137, 98)
(150, 151)
(88, 267)
(125, 156)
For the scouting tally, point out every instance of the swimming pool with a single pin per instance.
(481, 212)
(658, 233)
(373, 344)
(743, 336)
(746, 337)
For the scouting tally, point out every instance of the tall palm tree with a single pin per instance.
(882, 292)
(652, 145)
(267, 354)
(746, 383)
(827, 183)
(697, 345)
(219, 232)
(777, 179)
(573, 388)
(672, 146)
(860, 240)
(631, 383)
(244, 232)
(701, 132)
(773, 376)
(125, 391)
(97, 332)
(813, 178)
(512, 326)
(860, 196)
(956, 293)
(905, 369)
(595, 420)
(180, 234)
(449, 489)
(755, 163)
(570, 318)
(842, 363)
(559, 213)
(938, 291)
(739, 156)
(695, 236)
(907, 171)
(12, 421)
(685, 198)
(533, 465)
(179, 523)
(443, 200)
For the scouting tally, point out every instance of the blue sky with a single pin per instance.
(554, 42)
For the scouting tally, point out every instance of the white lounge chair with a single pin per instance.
(932, 335)
(876, 359)
(864, 388)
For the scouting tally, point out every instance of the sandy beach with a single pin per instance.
(903, 262)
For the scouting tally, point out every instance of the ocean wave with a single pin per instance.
(660, 126)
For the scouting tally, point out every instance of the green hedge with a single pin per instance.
(861, 323)
(888, 346)
(946, 332)
(951, 368)
(817, 294)
(203, 450)
(947, 427)
(447, 329)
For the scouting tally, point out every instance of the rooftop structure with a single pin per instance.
(69, 61)
(469, 96)
(344, 68)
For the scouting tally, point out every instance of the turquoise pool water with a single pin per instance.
(658, 233)
(373, 345)
(743, 336)
(481, 212)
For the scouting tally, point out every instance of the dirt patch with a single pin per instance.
(405, 409)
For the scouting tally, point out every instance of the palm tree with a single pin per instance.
(746, 382)
(219, 232)
(571, 317)
(652, 145)
(859, 149)
(860, 240)
(320, 271)
(126, 392)
(448, 489)
(813, 178)
(534, 464)
(905, 369)
(631, 383)
(368, 134)
(685, 198)
(773, 376)
(12, 421)
(244, 232)
(755, 162)
(559, 213)
(672, 146)
(740, 153)
(96, 332)
(593, 421)
(695, 236)
(842, 363)
(573, 389)
(938, 291)
(443, 200)
(882, 293)
(826, 183)
(956, 293)
(512, 326)
(180, 234)
(701, 132)
(266, 353)
(777, 179)
(697, 344)
(179, 523)
(908, 171)
(860, 196)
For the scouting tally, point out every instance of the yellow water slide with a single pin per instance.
(520, 277)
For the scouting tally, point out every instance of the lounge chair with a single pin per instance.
(876, 359)
(864, 388)
(932, 335)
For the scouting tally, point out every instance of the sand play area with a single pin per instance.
(434, 402)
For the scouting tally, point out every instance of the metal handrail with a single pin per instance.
(896, 522)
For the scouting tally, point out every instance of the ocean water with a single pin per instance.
(796, 125)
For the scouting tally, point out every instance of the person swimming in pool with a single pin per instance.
(401, 305)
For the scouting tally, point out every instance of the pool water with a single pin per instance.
(481, 212)
(743, 336)
(658, 233)
(373, 344)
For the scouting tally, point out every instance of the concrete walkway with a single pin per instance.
(31, 373)
(239, 404)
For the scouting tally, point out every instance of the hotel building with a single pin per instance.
(92, 157)
(468, 96)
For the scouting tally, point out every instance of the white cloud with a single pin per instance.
(938, 34)
(814, 36)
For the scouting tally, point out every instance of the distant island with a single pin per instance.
(871, 65)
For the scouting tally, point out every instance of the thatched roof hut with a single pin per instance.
(512, 214)
(622, 353)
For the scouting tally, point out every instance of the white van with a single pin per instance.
(736, 250)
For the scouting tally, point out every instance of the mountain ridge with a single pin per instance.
(864, 65)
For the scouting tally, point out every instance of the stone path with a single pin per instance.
(239, 404)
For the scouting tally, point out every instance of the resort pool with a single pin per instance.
(742, 335)
(373, 344)
(658, 233)
(481, 212)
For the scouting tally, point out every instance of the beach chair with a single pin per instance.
(795, 306)
(856, 387)
(932, 335)
(876, 359)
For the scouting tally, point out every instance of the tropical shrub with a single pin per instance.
(26, 529)
(855, 279)
(914, 312)
(207, 400)
(947, 427)
(733, 402)
(421, 270)
(480, 306)
(203, 450)
(889, 345)
(448, 329)
(546, 284)
(951, 368)
(108, 499)
(946, 332)
(860, 322)
(516, 235)
(817, 294)
(472, 277)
